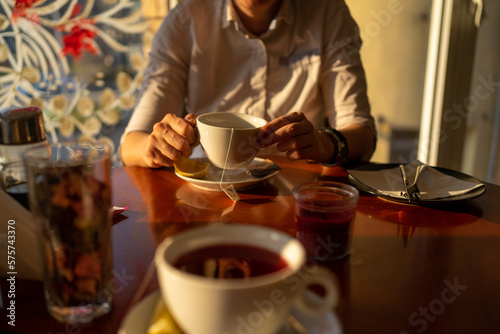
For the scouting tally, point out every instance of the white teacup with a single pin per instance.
(229, 136)
(259, 304)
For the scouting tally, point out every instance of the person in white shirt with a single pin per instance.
(295, 63)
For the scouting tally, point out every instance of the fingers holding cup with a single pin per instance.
(171, 139)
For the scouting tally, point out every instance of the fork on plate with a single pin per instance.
(412, 192)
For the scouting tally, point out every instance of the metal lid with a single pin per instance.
(21, 126)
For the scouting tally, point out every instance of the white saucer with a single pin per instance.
(138, 319)
(239, 178)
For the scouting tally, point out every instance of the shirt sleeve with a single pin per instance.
(343, 80)
(164, 86)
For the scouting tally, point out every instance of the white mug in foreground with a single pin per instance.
(229, 139)
(258, 304)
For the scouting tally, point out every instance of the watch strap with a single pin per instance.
(341, 148)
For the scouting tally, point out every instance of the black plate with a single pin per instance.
(459, 175)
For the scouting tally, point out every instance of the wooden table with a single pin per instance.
(412, 269)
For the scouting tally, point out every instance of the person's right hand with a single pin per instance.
(171, 138)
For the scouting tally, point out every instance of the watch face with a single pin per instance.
(342, 146)
(342, 152)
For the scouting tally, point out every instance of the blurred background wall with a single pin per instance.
(395, 35)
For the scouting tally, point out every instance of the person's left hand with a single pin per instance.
(296, 135)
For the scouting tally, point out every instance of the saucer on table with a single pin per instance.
(138, 319)
(240, 178)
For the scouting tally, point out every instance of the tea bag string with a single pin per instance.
(148, 276)
(227, 157)
(229, 190)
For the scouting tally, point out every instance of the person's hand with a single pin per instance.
(296, 135)
(171, 138)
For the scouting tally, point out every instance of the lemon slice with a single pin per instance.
(193, 168)
(162, 322)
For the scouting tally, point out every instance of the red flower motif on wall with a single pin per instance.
(19, 10)
(78, 40)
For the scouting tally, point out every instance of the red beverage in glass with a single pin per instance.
(325, 212)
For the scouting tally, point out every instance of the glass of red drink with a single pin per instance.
(324, 212)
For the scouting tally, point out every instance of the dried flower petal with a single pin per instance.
(60, 195)
(85, 106)
(86, 286)
(88, 265)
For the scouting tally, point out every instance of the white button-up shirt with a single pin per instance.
(203, 60)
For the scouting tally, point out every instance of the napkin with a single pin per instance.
(432, 183)
(118, 209)
(27, 254)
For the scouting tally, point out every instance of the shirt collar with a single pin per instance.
(229, 14)
(285, 13)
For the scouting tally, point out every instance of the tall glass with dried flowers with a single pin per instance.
(69, 189)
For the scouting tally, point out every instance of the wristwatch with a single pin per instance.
(340, 143)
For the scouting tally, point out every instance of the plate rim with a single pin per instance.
(139, 308)
(475, 193)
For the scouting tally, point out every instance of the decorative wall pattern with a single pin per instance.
(75, 60)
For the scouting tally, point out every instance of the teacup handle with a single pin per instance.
(196, 131)
(313, 304)
(197, 134)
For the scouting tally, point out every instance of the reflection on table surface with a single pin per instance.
(412, 269)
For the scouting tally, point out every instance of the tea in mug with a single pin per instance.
(230, 261)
